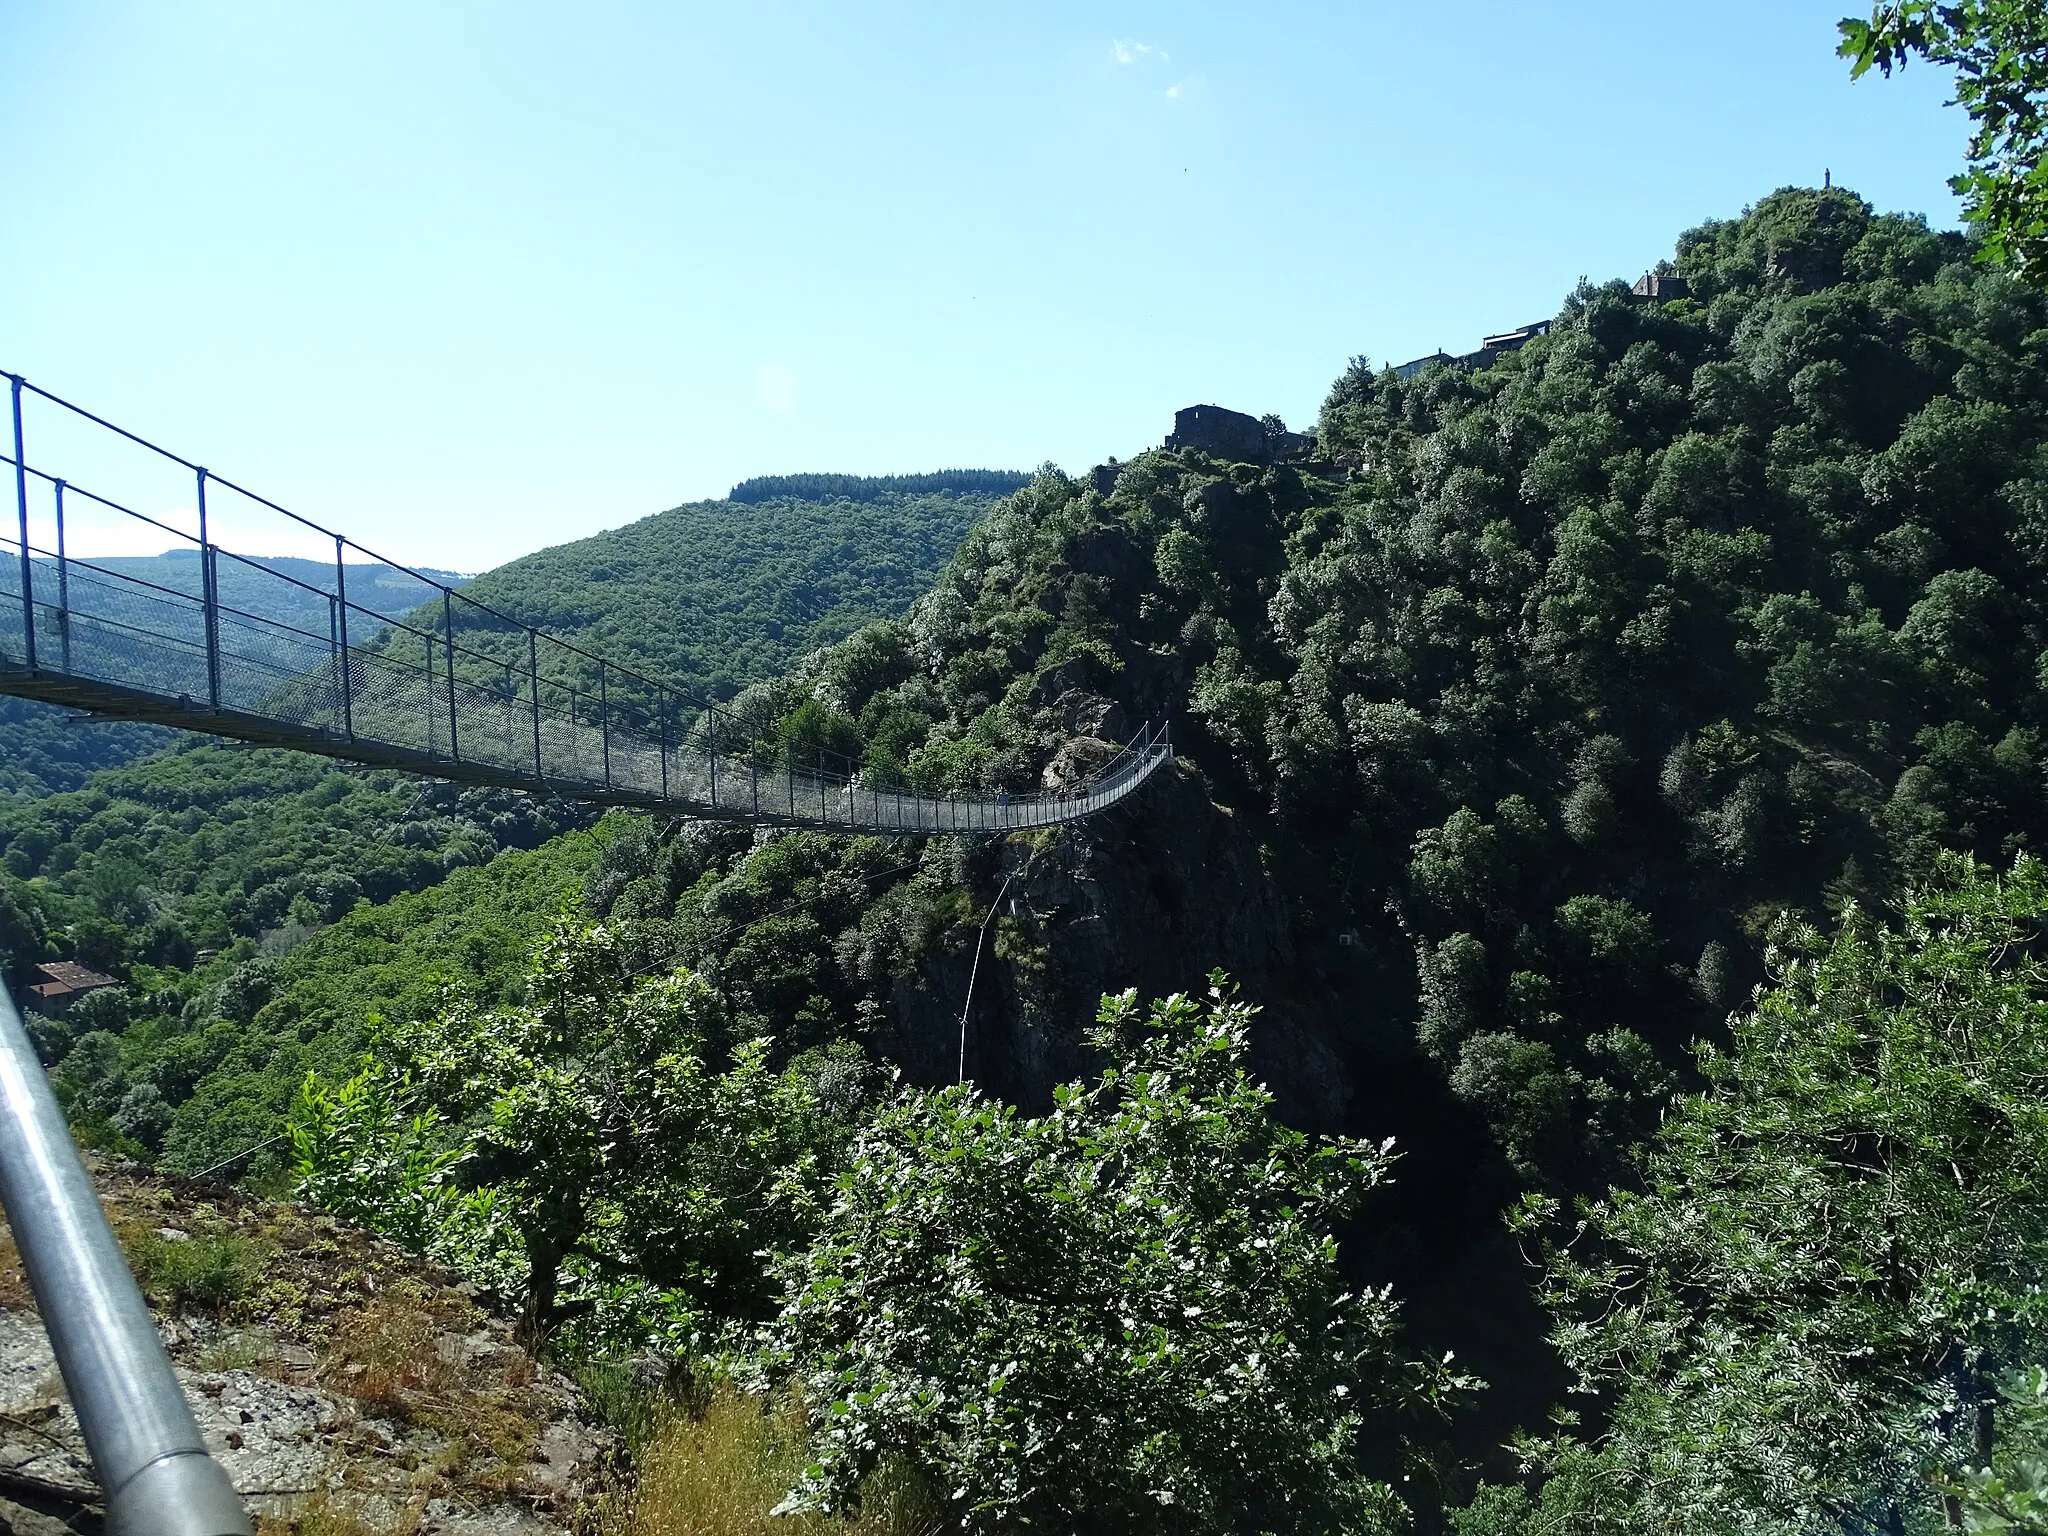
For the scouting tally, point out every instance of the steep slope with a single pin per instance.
(1509, 721)
(341, 1383)
(1509, 728)
(713, 595)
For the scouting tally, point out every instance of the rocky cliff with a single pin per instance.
(345, 1385)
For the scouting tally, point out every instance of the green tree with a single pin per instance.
(1999, 51)
(1124, 1316)
(592, 1114)
(1808, 1313)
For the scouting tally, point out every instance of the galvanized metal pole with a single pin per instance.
(146, 1450)
(348, 703)
(711, 740)
(63, 587)
(533, 674)
(28, 596)
(448, 648)
(661, 705)
(604, 719)
(209, 601)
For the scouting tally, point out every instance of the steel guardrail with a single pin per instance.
(147, 1455)
(304, 664)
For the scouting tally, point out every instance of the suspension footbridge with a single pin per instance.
(281, 652)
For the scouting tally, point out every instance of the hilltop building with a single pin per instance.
(1658, 287)
(1233, 435)
(1490, 348)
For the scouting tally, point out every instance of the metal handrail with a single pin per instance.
(147, 1454)
(389, 698)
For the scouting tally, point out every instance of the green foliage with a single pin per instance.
(45, 749)
(1999, 51)
(202, 847)
(1689, 611)
(603, 1131)
(1125, 1316)
(200, 1068)
(708, 597)
(1832, 1262)
(358, 1153)
(182, 1272)
(988, 483)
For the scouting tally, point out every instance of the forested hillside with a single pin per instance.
(1505, 746)
(761, 582)
(44, 749)
(215, 861)
(1590, 663)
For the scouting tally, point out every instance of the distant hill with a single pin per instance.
(45, 750)
(382, 589)
(713, 595)
(960, 482)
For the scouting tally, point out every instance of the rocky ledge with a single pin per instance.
(344, 1384)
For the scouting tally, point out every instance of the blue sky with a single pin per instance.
(468, 279)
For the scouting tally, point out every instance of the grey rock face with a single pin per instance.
(1154, 896)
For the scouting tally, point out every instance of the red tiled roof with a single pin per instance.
(69, 976)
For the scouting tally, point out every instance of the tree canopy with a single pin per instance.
(1999, 51)
(1826, 1276)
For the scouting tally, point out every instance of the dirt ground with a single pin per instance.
(347, 1387)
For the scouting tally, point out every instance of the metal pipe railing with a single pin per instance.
(147, 1455)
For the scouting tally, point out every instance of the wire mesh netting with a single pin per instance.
(417, 675)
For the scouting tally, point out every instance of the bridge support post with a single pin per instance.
(209, 600)
(448, 651)
(604, 719)
(533, 676)
(348, 703)
(28, 596)
(63, 588)
(661, 711)
(711, 740)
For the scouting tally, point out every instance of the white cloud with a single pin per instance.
(1173, 92)
(775, 387)
(1128, 52)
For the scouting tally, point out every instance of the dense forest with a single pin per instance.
(959, 482)
(44, 749)
(762, 581)
(192, 874)
(1515, 755)
(1593, 769)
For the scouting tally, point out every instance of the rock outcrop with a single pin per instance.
(339, 1380)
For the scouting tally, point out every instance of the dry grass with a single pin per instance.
(330, 1515)
(720, 1472)
(385, 1356)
